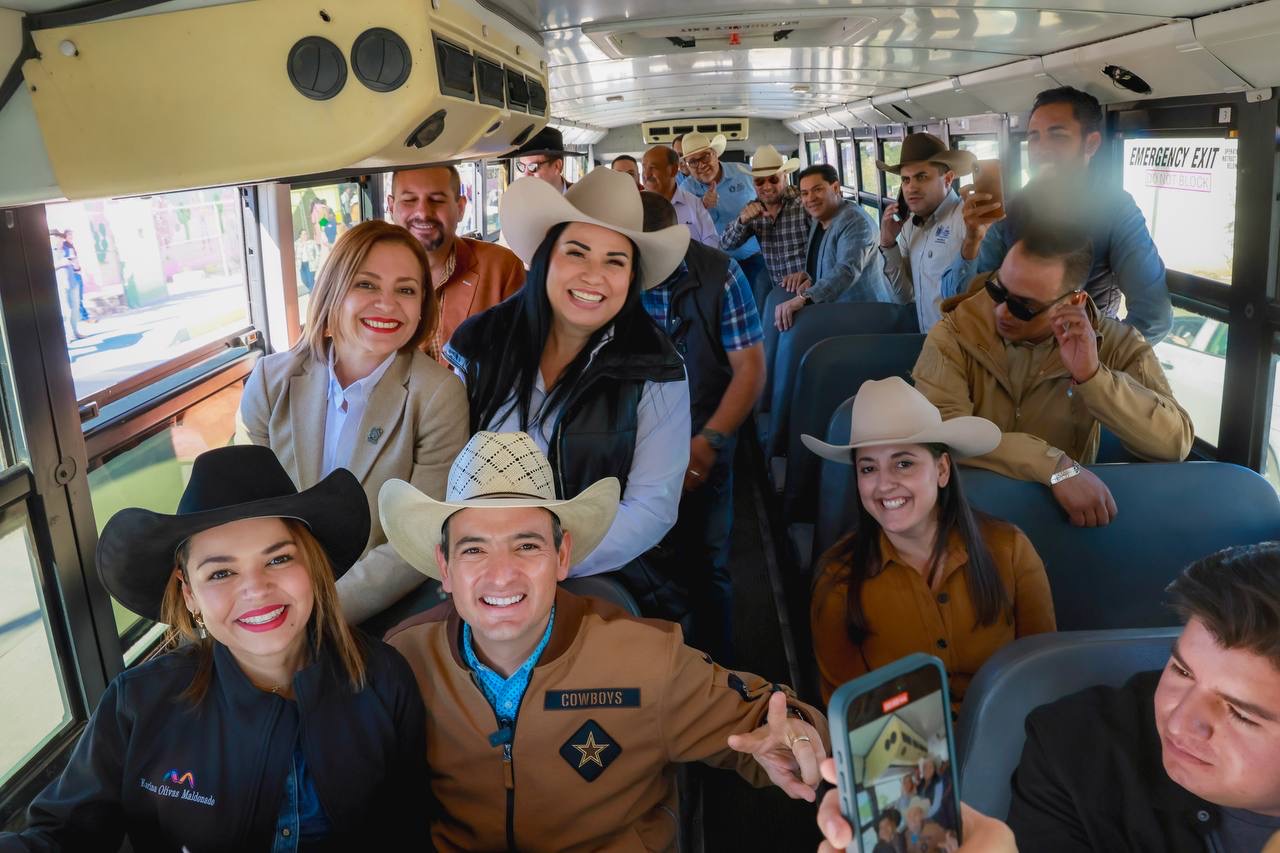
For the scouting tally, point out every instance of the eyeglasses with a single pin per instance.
(702, 158)
(772, 179)
(1018, 306)
(530, 168)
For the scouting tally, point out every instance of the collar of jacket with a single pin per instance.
(309, 683)
(464, 262)
(972, 316)
(842, 215)
(569, 612)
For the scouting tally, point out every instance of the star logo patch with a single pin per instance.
(590, 750)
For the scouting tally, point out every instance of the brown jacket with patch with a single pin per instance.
(964, 370)
(484, 274)
(612, 705)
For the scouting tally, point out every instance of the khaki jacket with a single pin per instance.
(963, 370)
(484, 274)
(419, 413)
(612, 705)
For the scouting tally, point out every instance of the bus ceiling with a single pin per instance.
(181, 95)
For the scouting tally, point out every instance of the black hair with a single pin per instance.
(1235, 592)
(557, 533)
(825, 170)
(859, 553)
(1058, 234)
(658, 212)
(1084, 107)
(514, 353)
(455, 179)
(890, 814)
(626, 157)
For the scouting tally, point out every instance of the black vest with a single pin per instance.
(594, 434)
(697, 302)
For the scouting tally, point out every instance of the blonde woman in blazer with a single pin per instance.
(356, 392)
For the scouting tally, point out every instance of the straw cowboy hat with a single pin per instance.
(767, 161)
(889, 411)
(547, 142)
(530, 207)
(694, 142)
(136, 550)
(494, 470)
(925, 147)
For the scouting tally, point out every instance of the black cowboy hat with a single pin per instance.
(547, 142)
(135, 554)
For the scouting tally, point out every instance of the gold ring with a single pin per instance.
(795, 740)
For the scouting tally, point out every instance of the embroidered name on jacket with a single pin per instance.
(178, 786)
(602, 697)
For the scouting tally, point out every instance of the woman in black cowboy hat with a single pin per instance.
(275, 727)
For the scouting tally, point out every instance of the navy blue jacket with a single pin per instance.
(210, 777)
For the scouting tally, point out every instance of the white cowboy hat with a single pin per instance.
(889, 411)
(694, 142)
(531, 207)
(767, 161)
(494, 470)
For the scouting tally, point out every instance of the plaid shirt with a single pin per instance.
(739, 321)
(783, 239)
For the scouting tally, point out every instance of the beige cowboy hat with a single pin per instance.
(694, 142)
(531, 207)
(925, 147)
(889, 411)
(494, 470)
(767, 161)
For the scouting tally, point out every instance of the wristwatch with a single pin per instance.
(717, 440)
(808, 300)
(1064, 474)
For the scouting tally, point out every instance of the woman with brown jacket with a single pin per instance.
(921, 572)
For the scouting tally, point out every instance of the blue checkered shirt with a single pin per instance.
(505, 694)
(739, 320)
(783, 240)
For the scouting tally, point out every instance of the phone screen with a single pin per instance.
(900, 748)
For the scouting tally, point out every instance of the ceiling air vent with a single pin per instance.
(663, 132)
(537, 98)
(492, 82)
(637, 37)
(457, 70)
(517, 90)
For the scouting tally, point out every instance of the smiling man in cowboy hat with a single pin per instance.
(724, 188)
(661, 176)
(555, 721)
(543, 157)
(920, 248)
(775, 218)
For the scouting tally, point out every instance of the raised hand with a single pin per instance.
(788, 749)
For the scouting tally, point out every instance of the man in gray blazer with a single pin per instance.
(843, 264)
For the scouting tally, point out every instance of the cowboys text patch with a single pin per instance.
(590, 750)
(596, 697)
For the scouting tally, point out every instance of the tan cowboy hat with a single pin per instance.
(494, 470)
(694, 142)
(767, 161)
(925, 147)
(531, 207)
(889, 411)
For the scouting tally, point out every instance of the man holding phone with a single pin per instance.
(775, 218)
(921, 242)
(1030, 351)
(1064, 133)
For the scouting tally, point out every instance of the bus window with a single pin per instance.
(815, 152)
(495, 184)
(892, 155)
(1024, 163)
(848, 165)
(1186, 189)
(151, 473)
(320, 215)
(145, 280)
(982, 147)
(1194, 358)
(867, 171)
(29, 666)
(469, 173)
(1271, 453)
(830, 154)
(873, 210)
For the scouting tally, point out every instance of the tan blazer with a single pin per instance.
(422, 411)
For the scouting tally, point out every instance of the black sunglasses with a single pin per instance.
(1018, 306)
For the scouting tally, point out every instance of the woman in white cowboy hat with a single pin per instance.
(273, 726)
(574, 360)
(921, 571)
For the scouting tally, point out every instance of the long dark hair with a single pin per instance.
(859, 553)
(512, 355)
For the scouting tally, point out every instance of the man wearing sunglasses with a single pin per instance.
(775, 218)
(1030, 351)
(724, 188)
(543, 157)
(661, 175)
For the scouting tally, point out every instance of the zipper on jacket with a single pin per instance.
(509, 779)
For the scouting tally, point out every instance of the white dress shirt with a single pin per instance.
(932, 246)
(689, 211)
(346, 409)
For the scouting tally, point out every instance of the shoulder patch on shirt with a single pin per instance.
(596, 697)
(590, 750)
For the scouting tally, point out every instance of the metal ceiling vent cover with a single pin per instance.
(317, 68)
(637, 37)
(381, 59)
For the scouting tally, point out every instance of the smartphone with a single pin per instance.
(901, 214)
(895, 753)
(986, 179)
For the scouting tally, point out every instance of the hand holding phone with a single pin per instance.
(894, 749)
(986, 180)
(900, 215)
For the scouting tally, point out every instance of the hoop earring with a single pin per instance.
(200, 629)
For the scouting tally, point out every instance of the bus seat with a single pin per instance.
(817, 324)
(776, 297)
(836, 490)
(1111, 450)
(1114, 576)
(1032, 672)
(603, 587)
